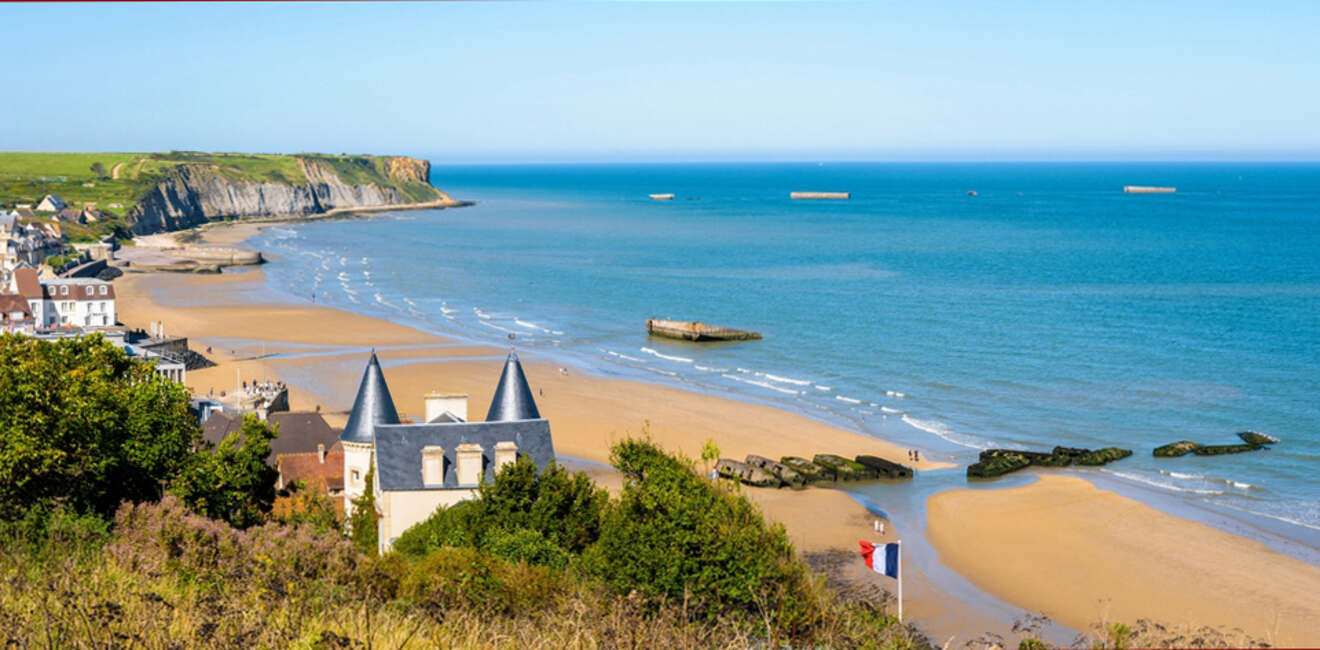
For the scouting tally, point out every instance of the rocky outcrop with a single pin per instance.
(192, 194)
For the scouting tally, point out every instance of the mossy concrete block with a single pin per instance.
(1219, 450)
(1103, 456)
(1175, 449)
(810, 472)
(1071, 452)
(885, 468)
(1256, 438)
(783, 472)
(844, 469)
(997, 465)
(732, 469)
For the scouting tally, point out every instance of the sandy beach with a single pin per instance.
(1060, 546)
(1081, 555)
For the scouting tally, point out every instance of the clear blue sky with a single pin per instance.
(476, 82)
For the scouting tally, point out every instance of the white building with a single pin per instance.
(421, 467)
(66, 302)
(51, 203)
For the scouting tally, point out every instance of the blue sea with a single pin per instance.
(1049, 308)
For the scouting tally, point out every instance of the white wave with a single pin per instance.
(624, 356)
(708, 368)
(497, 327)
(1278, 517)
(1160, 484)
(533, 326)
(343, 261)
(557, 333)
(446, 310)
(324, 265)
(343, 277)
(1210, 479)
(762, 384)
(366, 274)
(849, 400)
(662, 372)
(819, 387)
(666, 356)
(481, 314)
(894, 393)
(1180, 474)
(942, 431)
(886, 409)
(410, 303)
(785, 380)
(750, 372)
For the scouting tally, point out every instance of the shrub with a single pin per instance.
(362, 524)
(525, 545)
(84, 425)
(674, 536)
(231, 481)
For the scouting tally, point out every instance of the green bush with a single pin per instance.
(530, 546)
(84, 425)
(674, 536)
(231, 481)
(363, 524)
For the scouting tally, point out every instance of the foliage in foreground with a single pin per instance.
(84, 425)
(169, 578)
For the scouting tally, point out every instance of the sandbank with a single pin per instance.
(1082, 555)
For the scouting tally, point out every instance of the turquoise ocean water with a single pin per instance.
(1050, 308)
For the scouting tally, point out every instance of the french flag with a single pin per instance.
(881, 559)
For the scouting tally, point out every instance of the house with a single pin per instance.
(72, 302)
(8, 223)
(302, 432)
(24, 212)
(14, 313)
(324, 466)
(420, 467)
(51, 203)
(68, 214)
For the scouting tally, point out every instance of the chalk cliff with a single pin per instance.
(194, 193)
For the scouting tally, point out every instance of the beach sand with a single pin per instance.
(1070, 546)
(1081, 555)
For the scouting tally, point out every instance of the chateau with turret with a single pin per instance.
(440, 462)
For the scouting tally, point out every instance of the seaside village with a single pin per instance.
(419, 466)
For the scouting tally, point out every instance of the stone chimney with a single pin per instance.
(320, 452)
(438, 403)
(470, 468)
(433, 465)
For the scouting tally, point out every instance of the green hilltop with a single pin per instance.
(116, 182)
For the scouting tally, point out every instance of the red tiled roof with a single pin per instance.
(12, 302)
(29, 284)
(309, 468)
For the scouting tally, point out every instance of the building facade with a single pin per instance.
(424, 466)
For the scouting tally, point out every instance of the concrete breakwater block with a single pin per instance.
(1176, 449)
(884, 468)
(997, 462)
(783, 472)
(810, 472)
(844, 469)
(744, 473)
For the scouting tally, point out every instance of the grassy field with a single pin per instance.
(121, 179)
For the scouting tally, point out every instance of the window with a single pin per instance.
(64, 291)
(357, 477)
(90, 289)
(103, 289)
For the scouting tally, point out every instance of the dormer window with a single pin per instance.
(64, 291)
(470, 464)
(103, 290)
(505, 453)
(90, 290)
(433, 466)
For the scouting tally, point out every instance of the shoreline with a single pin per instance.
(816, 517)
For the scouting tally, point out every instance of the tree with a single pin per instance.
(673, 535)
(99, 170)
(362, 525)
(231, 481)
(710, 452)
(85, 426)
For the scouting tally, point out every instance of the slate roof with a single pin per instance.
(299, 432)
(373, 405)
(399, 449)
(513, 397)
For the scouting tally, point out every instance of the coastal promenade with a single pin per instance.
(1081, 555)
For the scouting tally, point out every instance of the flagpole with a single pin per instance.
(900, 579)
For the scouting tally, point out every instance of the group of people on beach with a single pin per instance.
(262, 387)
(914, 455)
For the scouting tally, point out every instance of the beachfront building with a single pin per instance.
(67, 302)
(420, 467)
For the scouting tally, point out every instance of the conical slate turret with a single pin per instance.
(373, 406)
(513, 398)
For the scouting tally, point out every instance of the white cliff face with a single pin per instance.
(194, 194)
